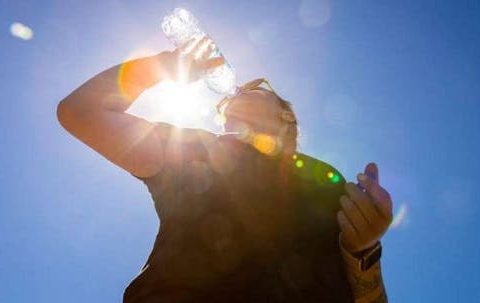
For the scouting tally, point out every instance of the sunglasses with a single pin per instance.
(249, 86)
(257, 84)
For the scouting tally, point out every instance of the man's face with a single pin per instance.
(257, 110)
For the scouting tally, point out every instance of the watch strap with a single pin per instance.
(363, 260)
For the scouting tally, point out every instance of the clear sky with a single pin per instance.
(395, 82)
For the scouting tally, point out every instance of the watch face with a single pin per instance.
(371, 258)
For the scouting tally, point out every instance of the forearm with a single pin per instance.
(367, 286)
(119, 86)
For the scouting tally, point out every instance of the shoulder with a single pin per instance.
(318, 182)
(322, 173)
(183, 146)
(318, 186)
(178, 135)
(179, 145)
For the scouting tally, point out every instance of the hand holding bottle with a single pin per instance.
(182, 28)
(189, 62)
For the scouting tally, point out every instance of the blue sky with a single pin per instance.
(395, 82)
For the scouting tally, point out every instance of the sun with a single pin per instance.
(181, 104)
(179, 100)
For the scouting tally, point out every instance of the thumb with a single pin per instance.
(213, 63)
(371, 170)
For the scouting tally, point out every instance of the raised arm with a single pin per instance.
(95, 112)
(365, 216)
(366, 285)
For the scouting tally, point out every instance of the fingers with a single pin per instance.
(379, 195)
(195, 58)
(186, 47)
(354, 216)
(200, 47)
(362, 202)
(208, 50)
(366, 211)
(207, 53)
(201, 51)
(371, 170)
(368, 223)
(192, 46)
(348, 235)
(213, 63)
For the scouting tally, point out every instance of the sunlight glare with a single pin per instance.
(21, 31)
(265, 143)
(399, 217)
(181, 101)
(181, 104)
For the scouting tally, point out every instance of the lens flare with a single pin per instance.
(299, 163)
(135, 75)
(21, 31)
(266, 144)
(399, 217)
(172, 102)
(334, 177)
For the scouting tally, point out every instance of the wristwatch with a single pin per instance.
(367, 258)
(363, 260)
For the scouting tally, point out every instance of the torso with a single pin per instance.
(246, 229)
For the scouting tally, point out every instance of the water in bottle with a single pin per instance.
(180, 27)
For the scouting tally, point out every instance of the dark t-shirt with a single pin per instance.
(243, 228)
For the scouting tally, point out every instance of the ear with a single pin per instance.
(287, 116)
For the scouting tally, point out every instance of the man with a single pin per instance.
(244, 216)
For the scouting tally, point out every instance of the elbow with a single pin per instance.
(62, 114)
(67, 115)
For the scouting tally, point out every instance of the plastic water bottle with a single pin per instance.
(180, 27)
